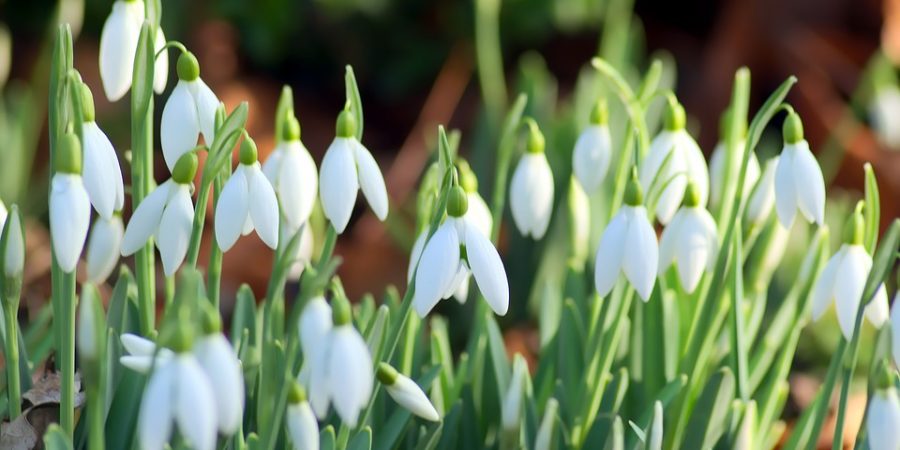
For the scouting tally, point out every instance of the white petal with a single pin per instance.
(895, 331)
(883, 422)
(848, 286)
(339, 183)
(610, 253)
(668, 242)
(696, 165)
(14, 259)
(414, 256)
(155, 417)
(371, 181)
(206, 103)
(462, 289)
(462, 273)
(531, 195)
(272, 166)
(302, 426)
(304, 251)
(437, 268)
(102, 175)
(590, 159)
(175, 229)
(137, 345)
(145, 220)
(118, 43)
(479, 215)
(659, 150)
(410, 396)
(297, 183)
(877, 311)
(179, 126)
(315, 326)
(104, 247)
(223, 369)
(161, 67)
(823, 291)
(232, 209)
(70, 215)
(195, 404)
(641, 256)
(692, 249)
(762, 197)
(263, 205)
(487, 267)
(809, 184)
(350, 368)
(785, 192)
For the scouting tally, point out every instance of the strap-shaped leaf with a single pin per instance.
(872, 210)
(708, 421)
(354, 100)
(142, 76)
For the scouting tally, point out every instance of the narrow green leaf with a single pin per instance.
(616, 439)
(362, 441)
(353, 98)
(142, 84)
(285, 106)
(872, 210)
(708, 420)
(327, 439)
(504, 159)
(56, 439)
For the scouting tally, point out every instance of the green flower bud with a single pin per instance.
(248, 154)
(535, 138)
(600, 112)
(185, 168)
(290, 131)
(182, 339)
(792, 128)
(691, 195)
(68, 157)
(340, 310)
(457, 202)
(87, 103)
(386, 374)
(212, 322)
(634, 194)
(855, 228)
(674, 117)
(188, 68)
(296, 393)
(346, 124)
(467, 178)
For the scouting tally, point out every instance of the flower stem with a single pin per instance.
(214, 267)
(95, 412)
(13, 382)
(489, 55)
(197, 227)
(65, 329)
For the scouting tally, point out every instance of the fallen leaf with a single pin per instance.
(18, 435)
(46, 390)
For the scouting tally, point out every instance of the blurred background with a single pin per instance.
(461, 63)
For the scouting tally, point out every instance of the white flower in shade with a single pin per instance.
(221, 365)
(689, 240)
(304, 249)
(301, 422)
(455, 248)
(14, 256)
(531, 188)
(883, 421)
(628, 245)
(511, 410)
(166, 214)
(843, 280)
(762, 197)
(717, 172)
(544, 438)
(685, 164)
(292, 172)
(247, 202)
(895, 330)
(347, 168)
(655, 437)
(102, 173)
(118, 44)
(593, 150)
(70, 209)
(104, 247)
(189, 112)
(180, 392)
(314, 327)
(883, 113)
(406, 392)
(798, 179)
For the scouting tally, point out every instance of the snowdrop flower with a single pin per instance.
(531, 188)
(798, 179)
(166, 214)
(14, 253)
(314, 326)
(685, 164)
(104, 247)
(895, 330)
(301, 422)
(292, 172)
(70, 209)
(140, 353)
(247, 202)
(628, 245)
(406, 392)
(883, 422)
(762, 197)
(511, 409)
(689, 240)
(456, 247)
(544, 438)
(843, 280)
(189, 112)
(304, 249)
(347, 168)
(717, 173)
(593, 150)
(223, 369)
(118, 44)
(883, 113)
(102, 174)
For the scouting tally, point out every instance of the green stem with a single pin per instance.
(214, 268)
(13, 382)
(489, 56)
(822, 401)
(95, 410)
(66, 335)
(197, 226)
(141, 184)
(849, 367)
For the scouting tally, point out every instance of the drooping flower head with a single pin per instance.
(593, 150)
(104, 247)
(13, 261)
(674, 159)
(799, 185)
(406, 392)
(118, 44)
(189, 112)
(102, 173)
(717, 169)
(883, 418)
(762, 196)
(884, 110)
(247, 202)
(348, 167)
(70, 208)
(531, 188)
(301, 422)
(292, 172)
(689, 241)
(223, 369)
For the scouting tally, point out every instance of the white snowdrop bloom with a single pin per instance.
(531, 188)
(406, 392)
(798, 179)
(166, 214)
(717, 172)
(511, 409)
(544, 438)
(221, 365)
(685, 164)
(140, 353)
(301, 422)
(895, 330)
(593, 150)
(762, 196)
(655, 436)
(348, 167)
(189, 112)
(292, 172)
(102, 173)
(455, 248)
(70, 209)
(883, 113)
(689, 240)
(178, 392)
(118, 44)
(628, 245)
(14, 256)
(104, 247)
(247, 202)
(843, 280)
(883, 421)
(314, 327)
